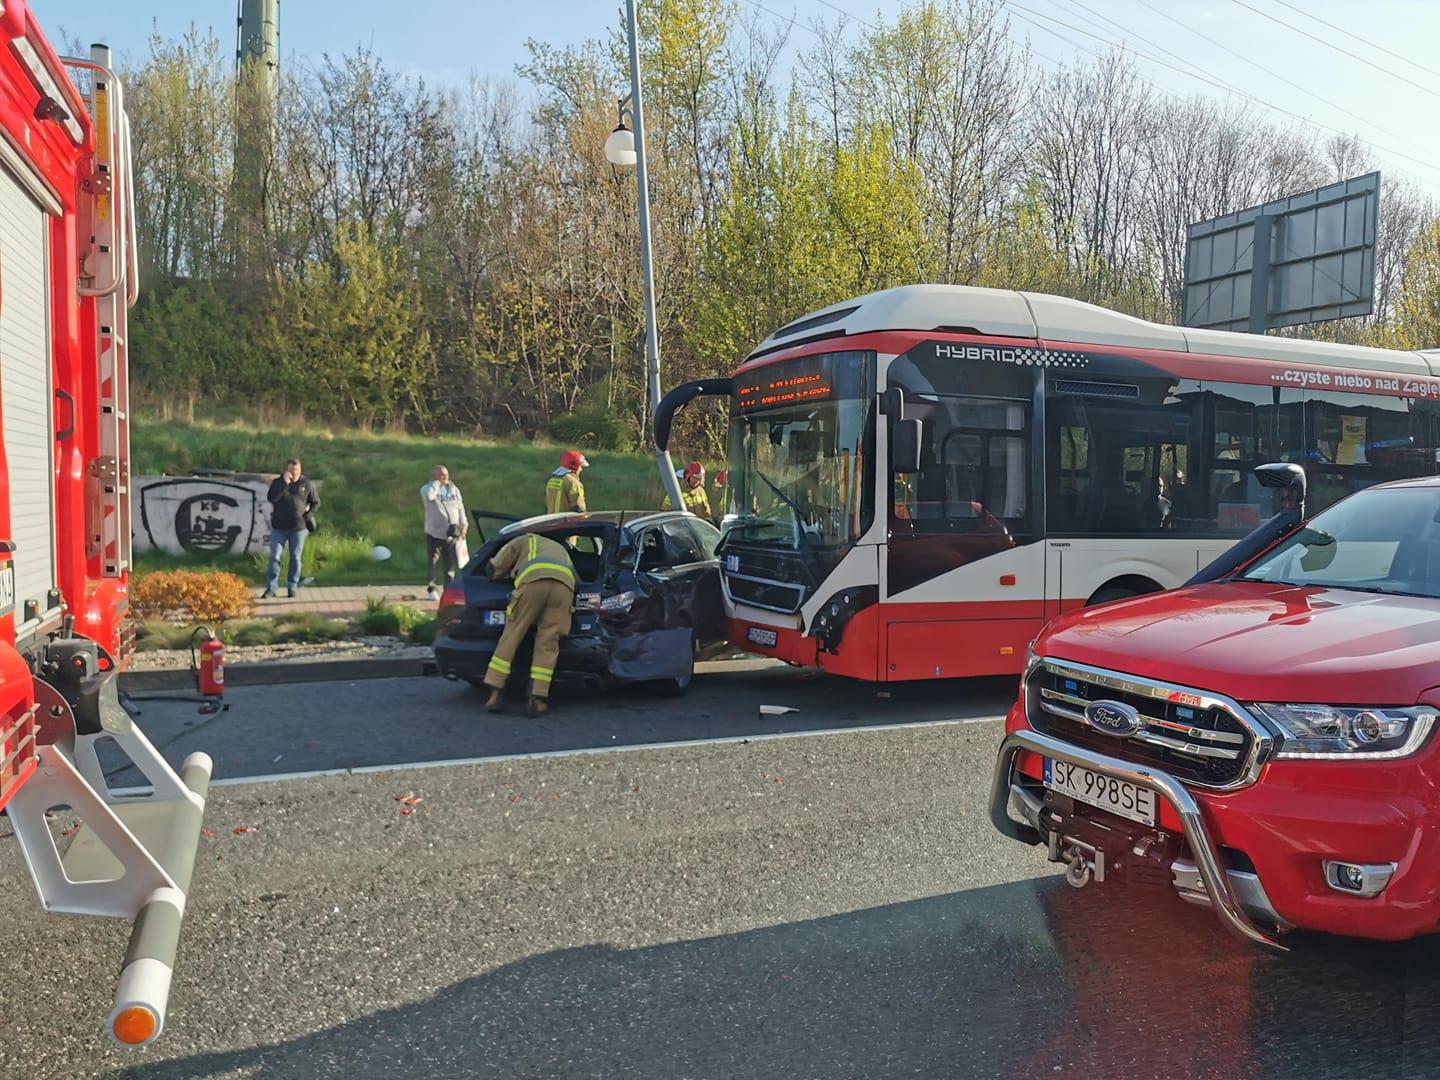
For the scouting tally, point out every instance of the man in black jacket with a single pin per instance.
(294, 502)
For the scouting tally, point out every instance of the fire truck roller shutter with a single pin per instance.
(26, 391)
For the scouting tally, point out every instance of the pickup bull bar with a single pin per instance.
(1192, 822)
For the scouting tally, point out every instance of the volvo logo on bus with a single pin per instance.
(1113, 718)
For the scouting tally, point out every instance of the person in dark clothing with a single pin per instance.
(293, 504)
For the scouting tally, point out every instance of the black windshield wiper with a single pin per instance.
(802, 538)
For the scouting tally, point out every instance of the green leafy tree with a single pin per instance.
(1417, 309)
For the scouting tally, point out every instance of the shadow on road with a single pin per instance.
(1022, 980)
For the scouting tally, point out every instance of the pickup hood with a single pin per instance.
(1261, 642)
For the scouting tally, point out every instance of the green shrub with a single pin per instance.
(259, 632)
(409, 617)
(306, 628)
(383, 622)
(423, 633)
(592, 427)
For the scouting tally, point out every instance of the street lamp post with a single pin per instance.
(627, 148)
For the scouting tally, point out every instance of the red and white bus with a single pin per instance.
(920, 478)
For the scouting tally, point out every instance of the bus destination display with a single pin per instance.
(783, 391)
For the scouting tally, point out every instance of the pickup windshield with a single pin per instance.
(1385, 540)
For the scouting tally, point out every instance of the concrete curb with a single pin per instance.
(275, 673)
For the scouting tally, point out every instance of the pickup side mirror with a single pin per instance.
(906, 437)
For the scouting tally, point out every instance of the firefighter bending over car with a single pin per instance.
(564, 493)
(692, 492)
(543, 597)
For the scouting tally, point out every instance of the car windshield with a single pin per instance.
(800, 453)
(1385, 540)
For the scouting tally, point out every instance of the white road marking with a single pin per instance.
(497, 759)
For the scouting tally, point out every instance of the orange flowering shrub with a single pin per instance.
(190, 596)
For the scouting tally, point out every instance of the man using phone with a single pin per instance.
(292, 516)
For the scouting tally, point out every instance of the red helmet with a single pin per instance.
(572, 460)
(695, 471)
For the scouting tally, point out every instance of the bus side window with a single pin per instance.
(973, 471)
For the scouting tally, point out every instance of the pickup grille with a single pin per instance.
(1195, 736)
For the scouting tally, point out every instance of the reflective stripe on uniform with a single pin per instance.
(541, 674)
(520, 577)
(502, 666)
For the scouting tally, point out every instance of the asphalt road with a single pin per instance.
(304, 727)
(831, 906)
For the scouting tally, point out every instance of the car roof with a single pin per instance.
(557, 522)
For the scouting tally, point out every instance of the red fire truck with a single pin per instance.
(68, 274)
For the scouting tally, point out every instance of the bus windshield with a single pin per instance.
(801, 453)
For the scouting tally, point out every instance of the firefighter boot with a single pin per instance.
(494, 703)
(538, 707)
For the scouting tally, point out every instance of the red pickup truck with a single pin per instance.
(1259, 741)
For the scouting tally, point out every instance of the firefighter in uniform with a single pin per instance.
(543, 597)
(564, 493)
(692, 492)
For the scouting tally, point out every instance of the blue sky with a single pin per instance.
(444, 40)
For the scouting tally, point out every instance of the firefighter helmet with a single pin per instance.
(572, 460)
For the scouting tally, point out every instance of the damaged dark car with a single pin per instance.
(647, 600)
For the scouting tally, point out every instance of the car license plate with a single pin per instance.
(494, 618)
(1097, 789)
(757, 635)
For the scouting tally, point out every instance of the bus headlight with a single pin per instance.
(1344, 733)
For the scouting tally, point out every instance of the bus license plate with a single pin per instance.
(494, 618)
(1097, 789)
(759, 636)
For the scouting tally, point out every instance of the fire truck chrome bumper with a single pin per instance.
(1203, 881)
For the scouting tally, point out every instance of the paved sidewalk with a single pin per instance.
(339, 601)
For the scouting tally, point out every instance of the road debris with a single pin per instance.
(777, 710)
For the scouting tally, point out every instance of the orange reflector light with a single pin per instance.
(135, 1025)
(1007, 579)
(1006, 650)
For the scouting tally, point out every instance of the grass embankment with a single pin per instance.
(371, 484)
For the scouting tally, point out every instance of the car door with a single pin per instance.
(678, 555)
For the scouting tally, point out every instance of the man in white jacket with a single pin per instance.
(445, 527)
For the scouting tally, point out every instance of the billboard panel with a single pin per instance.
(1315, 254)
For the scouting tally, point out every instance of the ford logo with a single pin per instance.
(1113, 718)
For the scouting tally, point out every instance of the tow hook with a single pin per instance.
(1078, 868)
(1082, 862)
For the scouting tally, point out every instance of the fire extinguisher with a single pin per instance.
(210, 667)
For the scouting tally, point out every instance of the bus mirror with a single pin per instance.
(905, 439)
(892, 403)
(1290, 478)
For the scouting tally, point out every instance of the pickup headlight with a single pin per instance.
(1348, 734)
(619, 602)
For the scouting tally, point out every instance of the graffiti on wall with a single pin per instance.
(201, 515)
